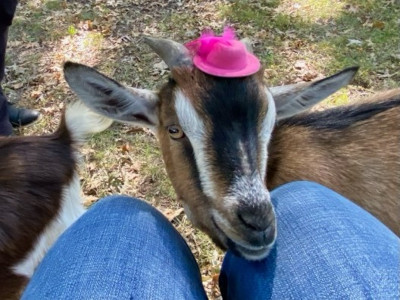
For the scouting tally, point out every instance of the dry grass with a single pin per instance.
(296, 40)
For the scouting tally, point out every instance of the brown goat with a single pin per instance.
(216, 136)
(39, 194)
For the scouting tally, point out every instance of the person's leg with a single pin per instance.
(5, 125)
(122, 248)
(9, 114)
(327, 248)
(7, 11)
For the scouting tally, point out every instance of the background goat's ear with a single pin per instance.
(109, 98)
(247, 42)
(293, 99)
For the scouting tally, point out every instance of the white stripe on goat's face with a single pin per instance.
(227, 124)
(194, 128)
(265, 133)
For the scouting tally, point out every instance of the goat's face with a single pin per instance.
(214, 134)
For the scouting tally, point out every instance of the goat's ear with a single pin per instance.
(109, 98)
(247, 42)
(293, 99)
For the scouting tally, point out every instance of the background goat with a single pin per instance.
(216, 136)
(39, 194)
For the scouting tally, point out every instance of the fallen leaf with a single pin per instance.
(160, 66)
(89, 200)
(215, 278)
(125, 148)
(36, 94)
(378, 24)
(171, 214)
(309, 75)
(300, 64)
(396, 56)
(351, 8)
(354, 42)
(17, 86)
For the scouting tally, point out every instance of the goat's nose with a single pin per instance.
(256, 217)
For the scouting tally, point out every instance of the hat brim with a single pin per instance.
(253, 66)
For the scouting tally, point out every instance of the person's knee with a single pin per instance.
(299, 184)
(122, 204)
(298, 190)
(127, 208)
(300, 197)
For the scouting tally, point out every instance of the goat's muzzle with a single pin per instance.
(251, 231)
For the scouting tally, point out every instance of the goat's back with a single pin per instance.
(353, 150)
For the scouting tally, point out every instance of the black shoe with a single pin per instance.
(21, 116)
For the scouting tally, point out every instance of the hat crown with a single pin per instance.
(232, 55)
(223, 56)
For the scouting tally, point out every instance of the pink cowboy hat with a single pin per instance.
(223, 56)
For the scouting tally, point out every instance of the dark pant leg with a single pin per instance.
(3, 45)
(7, 11)
(5, 125)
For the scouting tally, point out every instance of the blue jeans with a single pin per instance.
(122, 248)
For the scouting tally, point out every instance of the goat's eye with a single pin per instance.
(175, 132)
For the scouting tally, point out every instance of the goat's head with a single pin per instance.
(214, 135)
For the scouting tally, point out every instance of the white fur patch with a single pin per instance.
(244, 159)
(194, 128)
(71, 209)
(250, 189)
(265, 133)
(82, 121)
(246, 188)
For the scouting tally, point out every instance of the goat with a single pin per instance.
(39, 194)
(225, 140)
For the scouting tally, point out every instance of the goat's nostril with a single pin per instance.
(258, 220)
(246, 220)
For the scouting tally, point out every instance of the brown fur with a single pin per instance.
(33, 171)
(361, 162)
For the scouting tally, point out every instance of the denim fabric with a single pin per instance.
(122, 248)
(327, 248)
